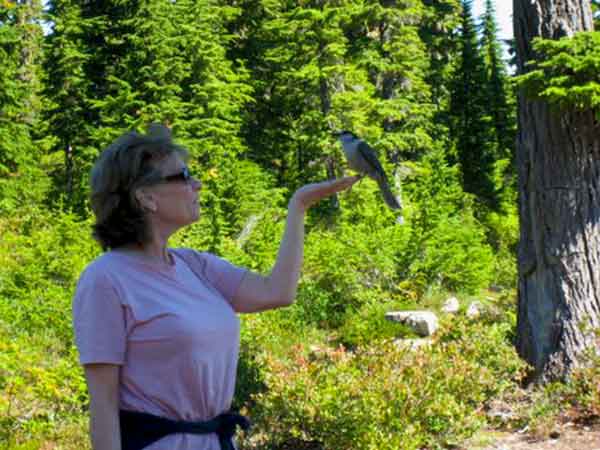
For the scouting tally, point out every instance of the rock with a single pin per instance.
(451, 306)
(424, 323)
(474, 310)
(412, 344)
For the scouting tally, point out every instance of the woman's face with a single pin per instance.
(176, 197)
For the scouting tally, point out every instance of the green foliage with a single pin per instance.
(481, 113)
(565, 71)
(20, 37)
(384, 398)
(455, 255)
(367, 326)
(253, 88)
(470, 124)
(41, 257)
(117, 66)
(41, 387)
(441, 43)
(502, 229)
(583, 392)
(448, 245)
(497, 89)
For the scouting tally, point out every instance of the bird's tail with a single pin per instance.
(388, 195)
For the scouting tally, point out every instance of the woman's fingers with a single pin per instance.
(336, 185)
(330, 187)
(312, 193)
(344, 183)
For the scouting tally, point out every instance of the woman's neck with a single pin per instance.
(151, 250)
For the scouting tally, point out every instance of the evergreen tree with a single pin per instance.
(66, 91)
(557, 152)
(497, 92)
(216, 88)
(116, 66)
(295, 53)
(18, 83)
(332, 65)
(440, 19)
(471, 126)
(20, 41)
(143, 71)
(216, 93)
(395, 59)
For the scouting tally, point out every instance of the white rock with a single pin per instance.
(412, 344)
(451, 306)
(474, 310)
(424, 323)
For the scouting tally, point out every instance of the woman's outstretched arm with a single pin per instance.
(257, 292)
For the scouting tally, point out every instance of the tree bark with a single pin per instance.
(558, 160)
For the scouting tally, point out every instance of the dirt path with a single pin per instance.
(567, 438)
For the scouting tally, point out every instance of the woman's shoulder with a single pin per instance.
(190, 253)
(102, 269)
(197, 257)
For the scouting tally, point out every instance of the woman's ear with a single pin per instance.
(146, 200)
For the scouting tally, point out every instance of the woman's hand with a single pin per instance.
(310, 194)
(259, 293)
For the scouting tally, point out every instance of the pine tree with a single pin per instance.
(20, 41)
(66, 91)
(395, 58)
(295, 53)
(471, 126)
(215, 95)
(501, 109)
(143, 69)
(216, 89)
(440, 19)
(558, 158)
(19, 49)
(116, 66)
(324, 66)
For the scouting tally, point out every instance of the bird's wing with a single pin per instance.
(370, 157)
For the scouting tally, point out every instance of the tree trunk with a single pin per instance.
(558, 160)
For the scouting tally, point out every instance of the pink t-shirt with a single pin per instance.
(172, 330)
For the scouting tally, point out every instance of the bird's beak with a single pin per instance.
(336, 133)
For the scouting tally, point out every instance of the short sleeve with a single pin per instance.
(98, 322)
(220, 273)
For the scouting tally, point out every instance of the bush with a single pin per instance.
(41, 257)
(41, 388)
(455, 255)
(382, 397)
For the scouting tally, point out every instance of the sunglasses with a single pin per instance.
(183, 175)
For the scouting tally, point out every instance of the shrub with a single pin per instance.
(41, 257)
(383, 397)
(455, 255)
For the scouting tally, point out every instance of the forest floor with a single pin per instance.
(564, 436)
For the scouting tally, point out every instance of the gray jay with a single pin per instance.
(363, 159)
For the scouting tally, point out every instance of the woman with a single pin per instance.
(156, 327)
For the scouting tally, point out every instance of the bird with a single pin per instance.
(363, 159)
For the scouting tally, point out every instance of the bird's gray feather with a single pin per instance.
(368, 154)
(363, 159)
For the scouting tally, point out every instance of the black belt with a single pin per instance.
(138, 429)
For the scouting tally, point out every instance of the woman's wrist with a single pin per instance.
(296, 205)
